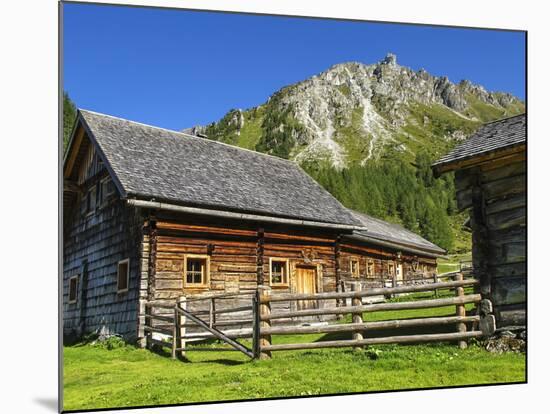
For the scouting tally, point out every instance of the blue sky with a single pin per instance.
(177, 68)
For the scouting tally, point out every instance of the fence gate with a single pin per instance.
(190, 320)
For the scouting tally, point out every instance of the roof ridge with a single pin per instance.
(190, 136)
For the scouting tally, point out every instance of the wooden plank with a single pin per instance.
(507, 219)
(206, 349)
(161, 318)
(504, 187)
(365, 326)
(420, 304)
(510, 315)
(238, 268)
(445, 337)
(508, 203)
(371, 292)
(504, 171)
(167, 225)
(508, 290)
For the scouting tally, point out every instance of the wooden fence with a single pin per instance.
(191, 320)
(264, 322)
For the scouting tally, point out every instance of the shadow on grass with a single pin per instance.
(203, 350)
(381, 333)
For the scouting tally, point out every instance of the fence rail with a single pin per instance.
(178, 326)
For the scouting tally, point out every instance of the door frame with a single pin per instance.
(294, 264)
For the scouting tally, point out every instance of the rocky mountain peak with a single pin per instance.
(390, 59)
(356, 112)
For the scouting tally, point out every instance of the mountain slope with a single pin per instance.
(368, 134)
(355, 113)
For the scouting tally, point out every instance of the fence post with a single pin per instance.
(265, 310)
(435, 281)
(356, 317)
(460, 311)
(175, 333)
(148, 323)
(256, 324)
(182, 320)
(212, 313)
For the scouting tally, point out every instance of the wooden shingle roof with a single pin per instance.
(380, 231)
(490, 139)
(152, 163)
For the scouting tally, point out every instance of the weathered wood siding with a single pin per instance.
(381, 259)
(496, 194)
(239, 257)
(93, 245)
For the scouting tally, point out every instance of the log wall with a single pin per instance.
(414, 267)
(496, 194)
(239, 259)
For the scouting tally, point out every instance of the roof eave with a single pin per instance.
(241, 216)
(398, 246)
(440, 168)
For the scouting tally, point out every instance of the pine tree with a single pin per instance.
(69, 117)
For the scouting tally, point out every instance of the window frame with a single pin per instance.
(356, 274)
(118, 290)
(75, 300)
(286, 261)
(89, 210)
(206, 283)
(369, 263)
(104, 197)
(391, 264)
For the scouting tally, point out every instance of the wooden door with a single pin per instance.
(306, 282)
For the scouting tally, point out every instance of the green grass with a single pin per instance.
(452, 262)
(252, 129)
(96, 377)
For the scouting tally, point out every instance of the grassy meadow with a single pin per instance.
(113, 374)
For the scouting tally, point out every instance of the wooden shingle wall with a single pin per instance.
(94, 243)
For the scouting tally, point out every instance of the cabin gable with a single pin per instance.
(99, 232)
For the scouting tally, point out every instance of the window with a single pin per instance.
(354, 267)
(91, 199)
(197, 270)
(391, 268)
(106, 190)
(73, 289)
(278, 272)
(123, 275)
(370, 268)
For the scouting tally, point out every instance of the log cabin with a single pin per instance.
(151, 214)
(490, 178)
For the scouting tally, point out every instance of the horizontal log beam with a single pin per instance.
(370, 292)
(161, 318)
(158, 330)
(420, 304)
(198, 348)
(354, 327)
(227, 310)
(448, 337)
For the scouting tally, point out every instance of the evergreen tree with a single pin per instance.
(69, 117)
